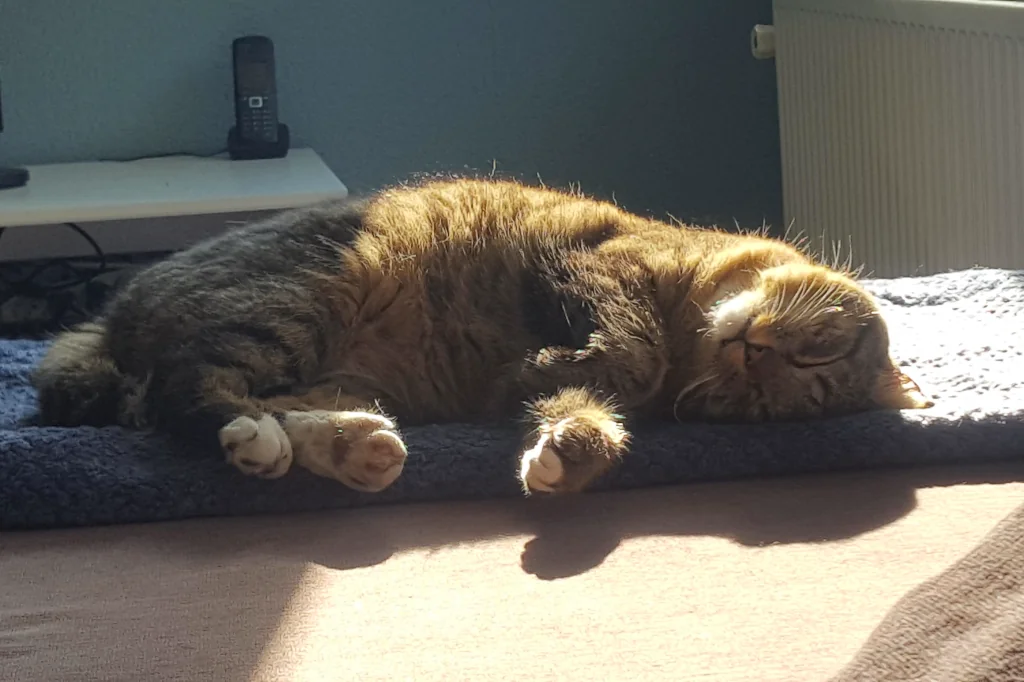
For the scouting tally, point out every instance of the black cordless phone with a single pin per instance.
(257, 133)
(255, 88)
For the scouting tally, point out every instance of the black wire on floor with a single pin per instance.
(52, 283)
(80, 272)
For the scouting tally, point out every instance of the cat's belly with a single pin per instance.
(447, 376)
(442, 342)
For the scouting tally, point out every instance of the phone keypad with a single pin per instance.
(258, 117)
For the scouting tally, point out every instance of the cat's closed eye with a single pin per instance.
(819, 354)
(825, 344)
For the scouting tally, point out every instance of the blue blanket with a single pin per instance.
(958, 334)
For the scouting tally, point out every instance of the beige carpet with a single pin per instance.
(763, 580)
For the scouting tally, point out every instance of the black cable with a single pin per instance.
(130, 159)
(92, 242)
(28, 288)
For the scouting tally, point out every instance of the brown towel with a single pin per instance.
(966, 625)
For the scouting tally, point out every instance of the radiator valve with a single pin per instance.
(762, 41)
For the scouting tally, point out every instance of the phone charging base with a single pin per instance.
(241, 149)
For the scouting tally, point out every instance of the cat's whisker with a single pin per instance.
(689, 389)
(837, 255)
(801, 314)
(706, 332)
(785, 234)
(799, 237)
(816, 305)
(802, 244)
(705, 314)
(848, 263)
(775, 311)
(825, 254)
(796, 300)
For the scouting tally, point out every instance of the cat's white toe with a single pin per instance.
(541, 469)
(257, 448)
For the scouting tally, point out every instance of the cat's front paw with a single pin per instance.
(540, 468)
(571, 454)
(257, 448)
(360, 449)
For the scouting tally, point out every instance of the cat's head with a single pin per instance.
(796, 341)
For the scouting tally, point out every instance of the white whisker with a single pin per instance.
(701, 309)
(816, 305)
(797, 298)
(800, 236)
(689, 389)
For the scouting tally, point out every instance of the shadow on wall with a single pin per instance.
(660, 104)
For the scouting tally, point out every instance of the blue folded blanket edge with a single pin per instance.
(52, 477)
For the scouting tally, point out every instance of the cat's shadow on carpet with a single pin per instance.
(573, 536)
(567, 536)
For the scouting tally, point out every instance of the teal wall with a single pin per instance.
(658, 102)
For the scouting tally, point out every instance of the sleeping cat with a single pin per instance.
(304, 337)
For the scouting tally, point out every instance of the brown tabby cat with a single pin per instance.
(463, 300)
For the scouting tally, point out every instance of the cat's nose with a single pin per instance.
(749, 357)
(753, 353)
(762, 362)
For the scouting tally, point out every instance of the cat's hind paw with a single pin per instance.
(257, 448)
(361, 449)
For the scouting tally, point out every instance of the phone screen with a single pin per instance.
(254, 76)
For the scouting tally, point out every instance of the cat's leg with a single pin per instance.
(342, 437)
(576, 438)
(579, 436)
(214, 401)
(333, 435)
(595, 331)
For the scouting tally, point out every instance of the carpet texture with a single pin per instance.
(966, 625)
(954, 333)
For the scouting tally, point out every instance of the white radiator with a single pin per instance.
(902, 130)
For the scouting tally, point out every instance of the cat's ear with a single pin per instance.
(894, 390)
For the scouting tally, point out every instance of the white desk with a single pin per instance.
(165, 187)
